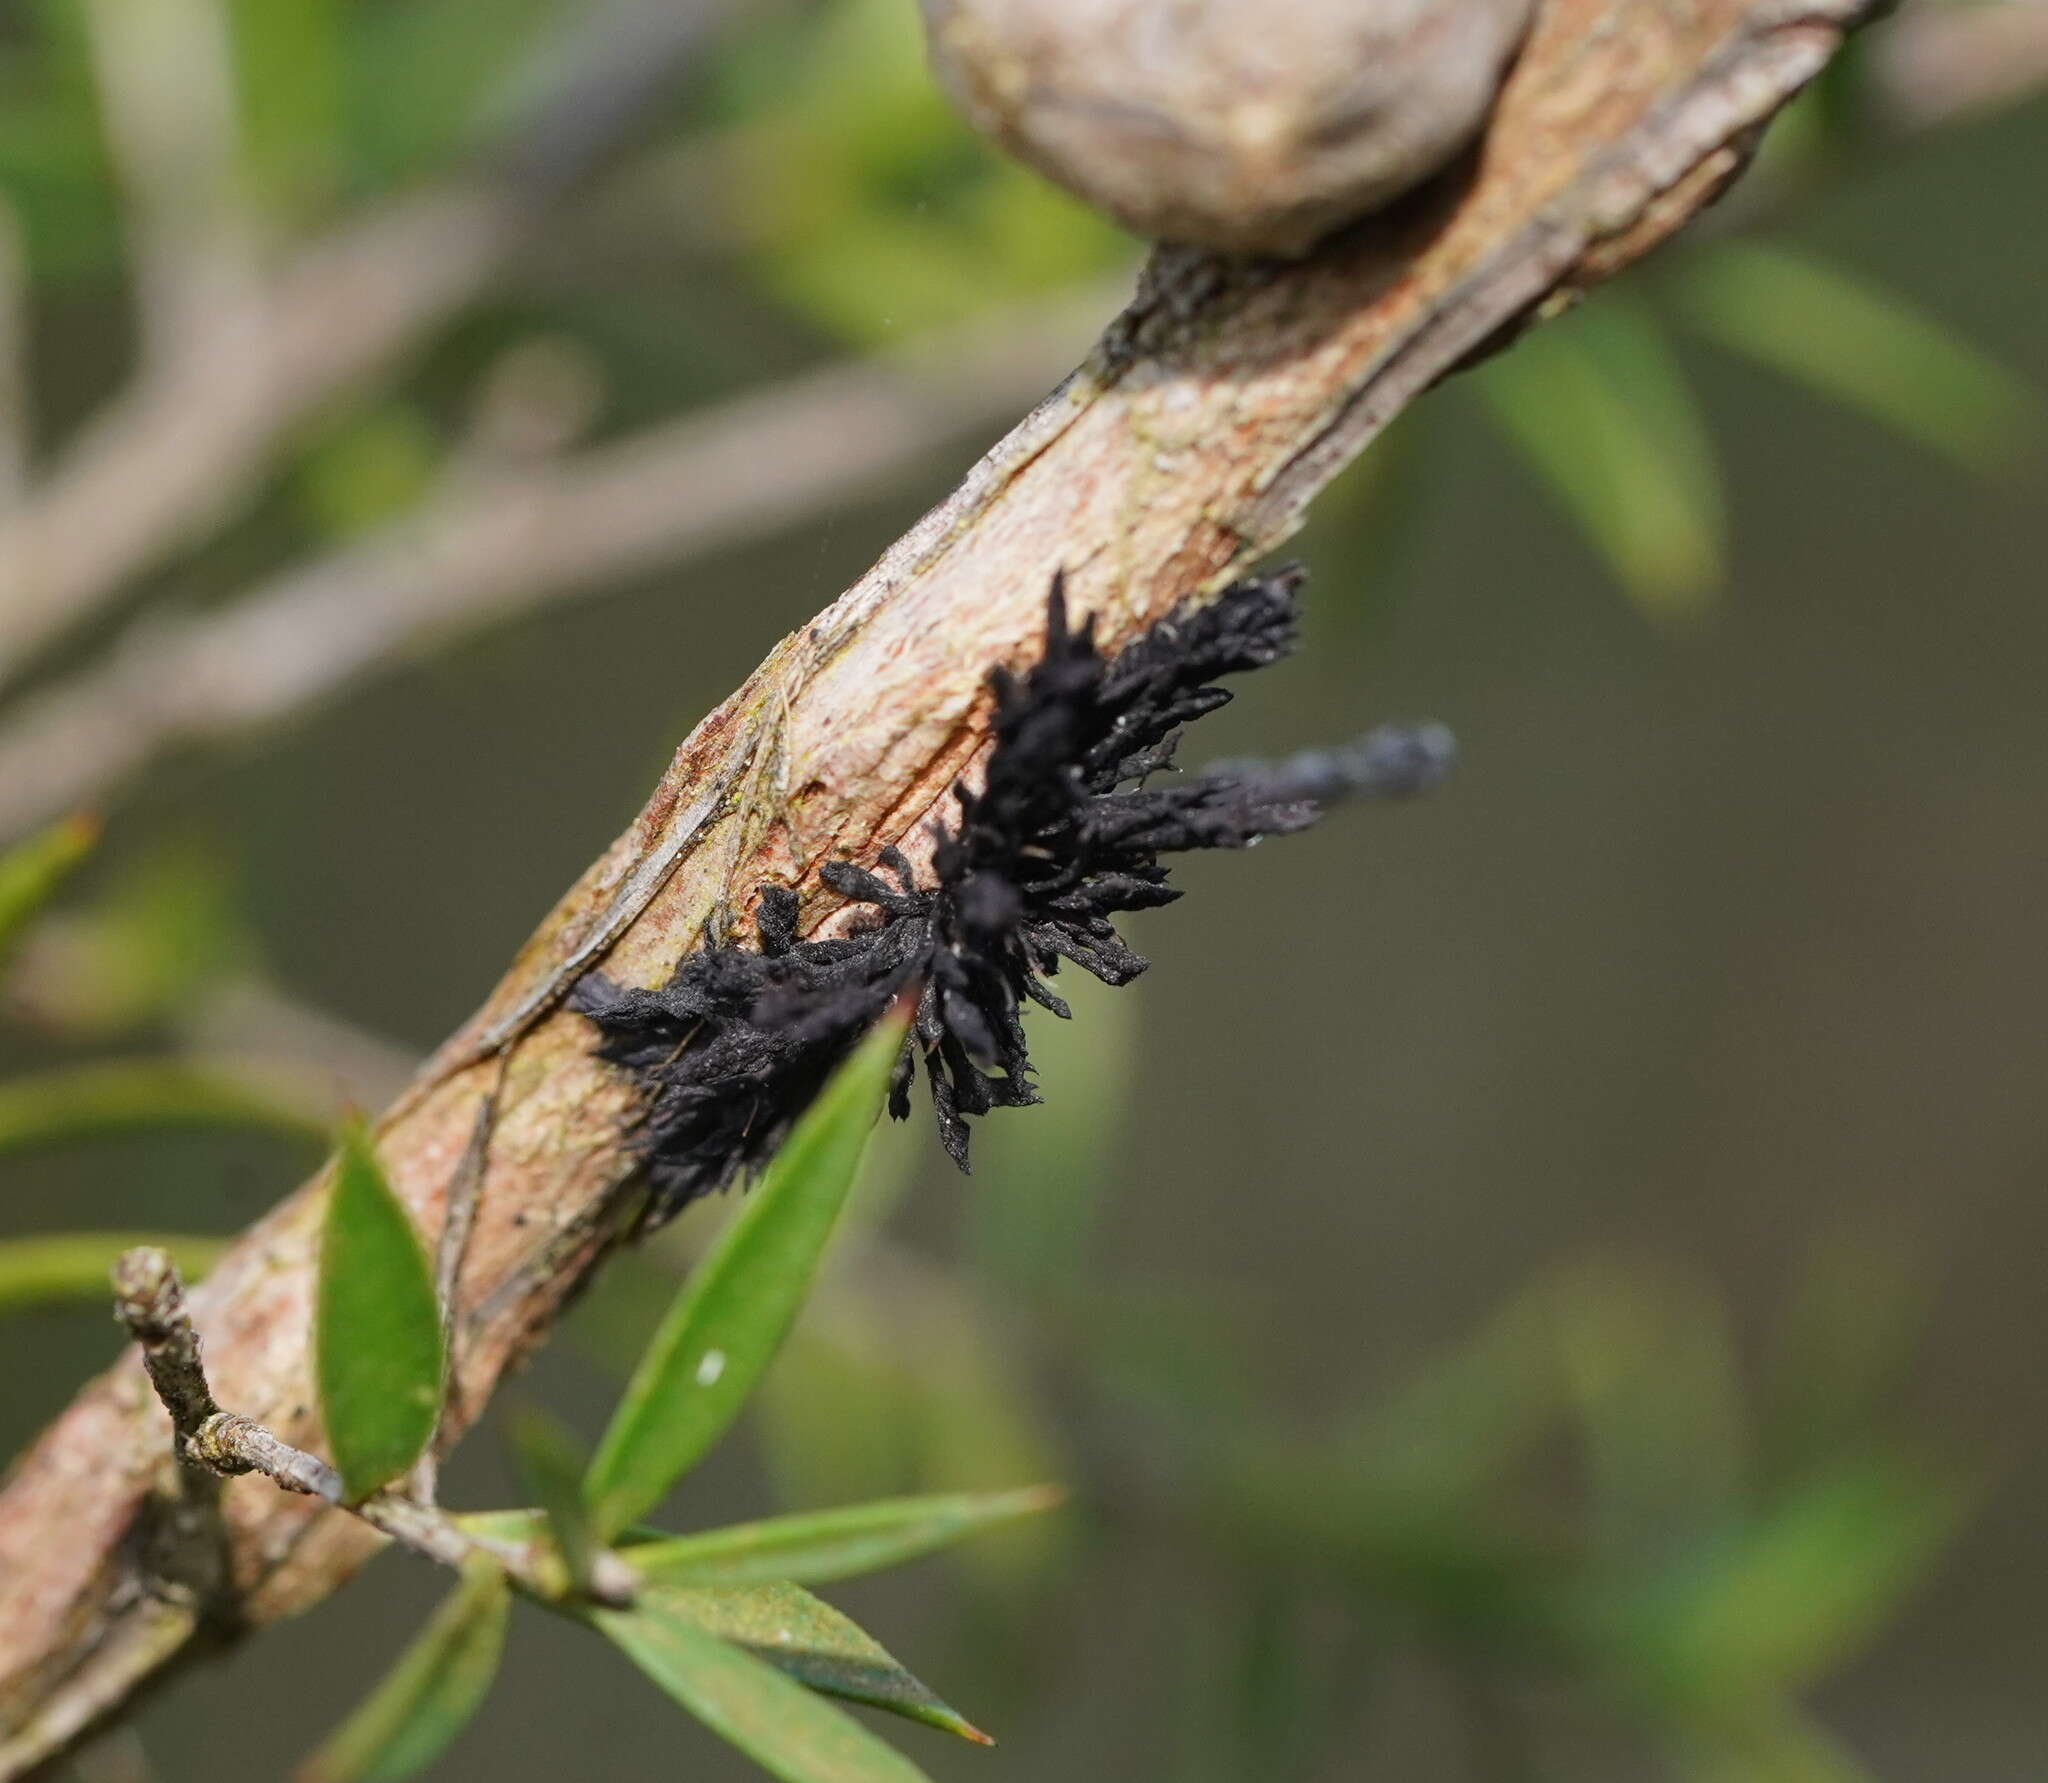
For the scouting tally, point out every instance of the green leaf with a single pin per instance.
(1650, 1364)
(373, 464)
(166, 926)
(1801, 1590)
(31, 872)
(1770, 1743)
(777, 1723)
(428, 1697)
(821, 1545)
(377, 1329)
(736, 1308)
(122, 1097)
(291, 59)
(806, 1639)
(1603, 412)
(1862, 346)
(66, 1268)
(870, 205)
(551, 1461)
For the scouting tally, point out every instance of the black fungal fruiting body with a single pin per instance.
(1065, 832)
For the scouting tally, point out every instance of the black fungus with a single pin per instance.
(1080, 800)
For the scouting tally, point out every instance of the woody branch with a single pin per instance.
(1190, 442)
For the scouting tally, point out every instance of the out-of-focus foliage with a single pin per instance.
(122, 1097)
(869, 205)
(1601, 410)
(429, 1695)
(164, 929)
(163, 932)
(31, 872)
(1860, 346)
(71, 1268)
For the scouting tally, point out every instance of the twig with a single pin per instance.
(183, 445)
(1936, 64)
(17, 432)
(119, 1758)
(249, 1016)
(480, 554)
(465, 1195)
(150, 1301)
(1190, 443)
(167, 101)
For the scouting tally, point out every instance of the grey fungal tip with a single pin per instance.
(1392, 761)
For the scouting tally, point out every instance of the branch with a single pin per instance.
(1190, 443)
(15, 428)
(187, 441)
(1936, 64)
(166, 80)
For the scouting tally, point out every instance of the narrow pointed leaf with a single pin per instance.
(808, 1640)
(778, 1723)
(1802, 1589)
(377, 1330)
(1603, 413)
(1862, 346)
(429, 1696)
(1769, 1742)
(822, 1545)
(739, 1303)
(119, 1098)
(551, 1462)
(70, 1268)
(31, 872)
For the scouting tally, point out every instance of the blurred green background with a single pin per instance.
(1539, 1284)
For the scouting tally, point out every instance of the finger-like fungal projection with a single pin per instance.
(1080, 800)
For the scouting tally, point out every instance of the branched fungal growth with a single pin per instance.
(1065, 832)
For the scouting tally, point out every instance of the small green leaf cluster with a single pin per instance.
(1585, 1498)
(719, 1619)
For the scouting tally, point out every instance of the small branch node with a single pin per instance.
(150, 1300)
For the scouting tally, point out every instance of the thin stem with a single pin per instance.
(17, 434)
(150, 1300)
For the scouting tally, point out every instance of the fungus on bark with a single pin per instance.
(1080, 800)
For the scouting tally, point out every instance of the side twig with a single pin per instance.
(150, 1301)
